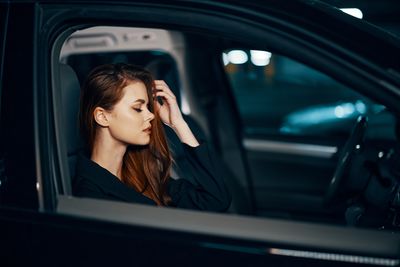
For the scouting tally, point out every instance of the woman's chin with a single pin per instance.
(144, 142)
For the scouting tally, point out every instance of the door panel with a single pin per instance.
(295, 176)
(86, 234)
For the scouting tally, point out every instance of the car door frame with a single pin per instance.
(53, 21)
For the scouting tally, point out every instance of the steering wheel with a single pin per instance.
(352, 144)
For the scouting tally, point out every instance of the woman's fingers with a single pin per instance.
(162, 85)
(169, 113)
(170, 98)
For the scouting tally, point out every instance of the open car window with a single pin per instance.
(295, 121)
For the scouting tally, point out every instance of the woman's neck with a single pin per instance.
(109, 156)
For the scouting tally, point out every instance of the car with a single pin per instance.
(299, 100)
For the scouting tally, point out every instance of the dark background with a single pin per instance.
(383, 13)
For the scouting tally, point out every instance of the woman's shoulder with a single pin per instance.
(88, 179)
(92, 180)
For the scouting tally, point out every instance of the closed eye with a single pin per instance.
(137, 108)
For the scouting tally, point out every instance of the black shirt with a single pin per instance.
(202, 189)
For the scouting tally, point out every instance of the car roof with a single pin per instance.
(318, 18)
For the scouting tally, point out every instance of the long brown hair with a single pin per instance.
(144, 168)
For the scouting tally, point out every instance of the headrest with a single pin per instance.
(70, 91)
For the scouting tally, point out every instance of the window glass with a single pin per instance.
(279, 96)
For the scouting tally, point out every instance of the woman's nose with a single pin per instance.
(150, 116)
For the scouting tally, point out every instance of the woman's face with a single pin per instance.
(129, 120)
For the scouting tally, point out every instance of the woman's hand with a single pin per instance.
(169, 111)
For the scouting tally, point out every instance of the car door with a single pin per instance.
(73, 230)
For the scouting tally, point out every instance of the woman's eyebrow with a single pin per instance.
(142, 101)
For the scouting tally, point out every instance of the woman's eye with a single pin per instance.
(137, 109)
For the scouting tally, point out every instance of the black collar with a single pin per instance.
(109, 183)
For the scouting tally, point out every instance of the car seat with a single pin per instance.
(70, 92)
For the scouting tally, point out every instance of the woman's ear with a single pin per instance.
(100, 116)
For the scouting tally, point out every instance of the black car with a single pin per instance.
(299, 100)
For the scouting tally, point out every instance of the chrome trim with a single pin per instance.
(290, 148)
(334, 257)
(36, 138)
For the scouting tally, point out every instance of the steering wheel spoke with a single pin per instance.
(352, 144)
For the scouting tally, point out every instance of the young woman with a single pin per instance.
(128, 158)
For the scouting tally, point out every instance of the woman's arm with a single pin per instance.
(186, 135)
(171, 115)
(207, 191)
(203, 186)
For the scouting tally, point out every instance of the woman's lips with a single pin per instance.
(147, 130)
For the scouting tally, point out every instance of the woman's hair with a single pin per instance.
(145, 168)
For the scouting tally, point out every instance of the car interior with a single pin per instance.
(162, 66)
(293, 143)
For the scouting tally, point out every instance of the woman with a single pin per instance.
(129, 160)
